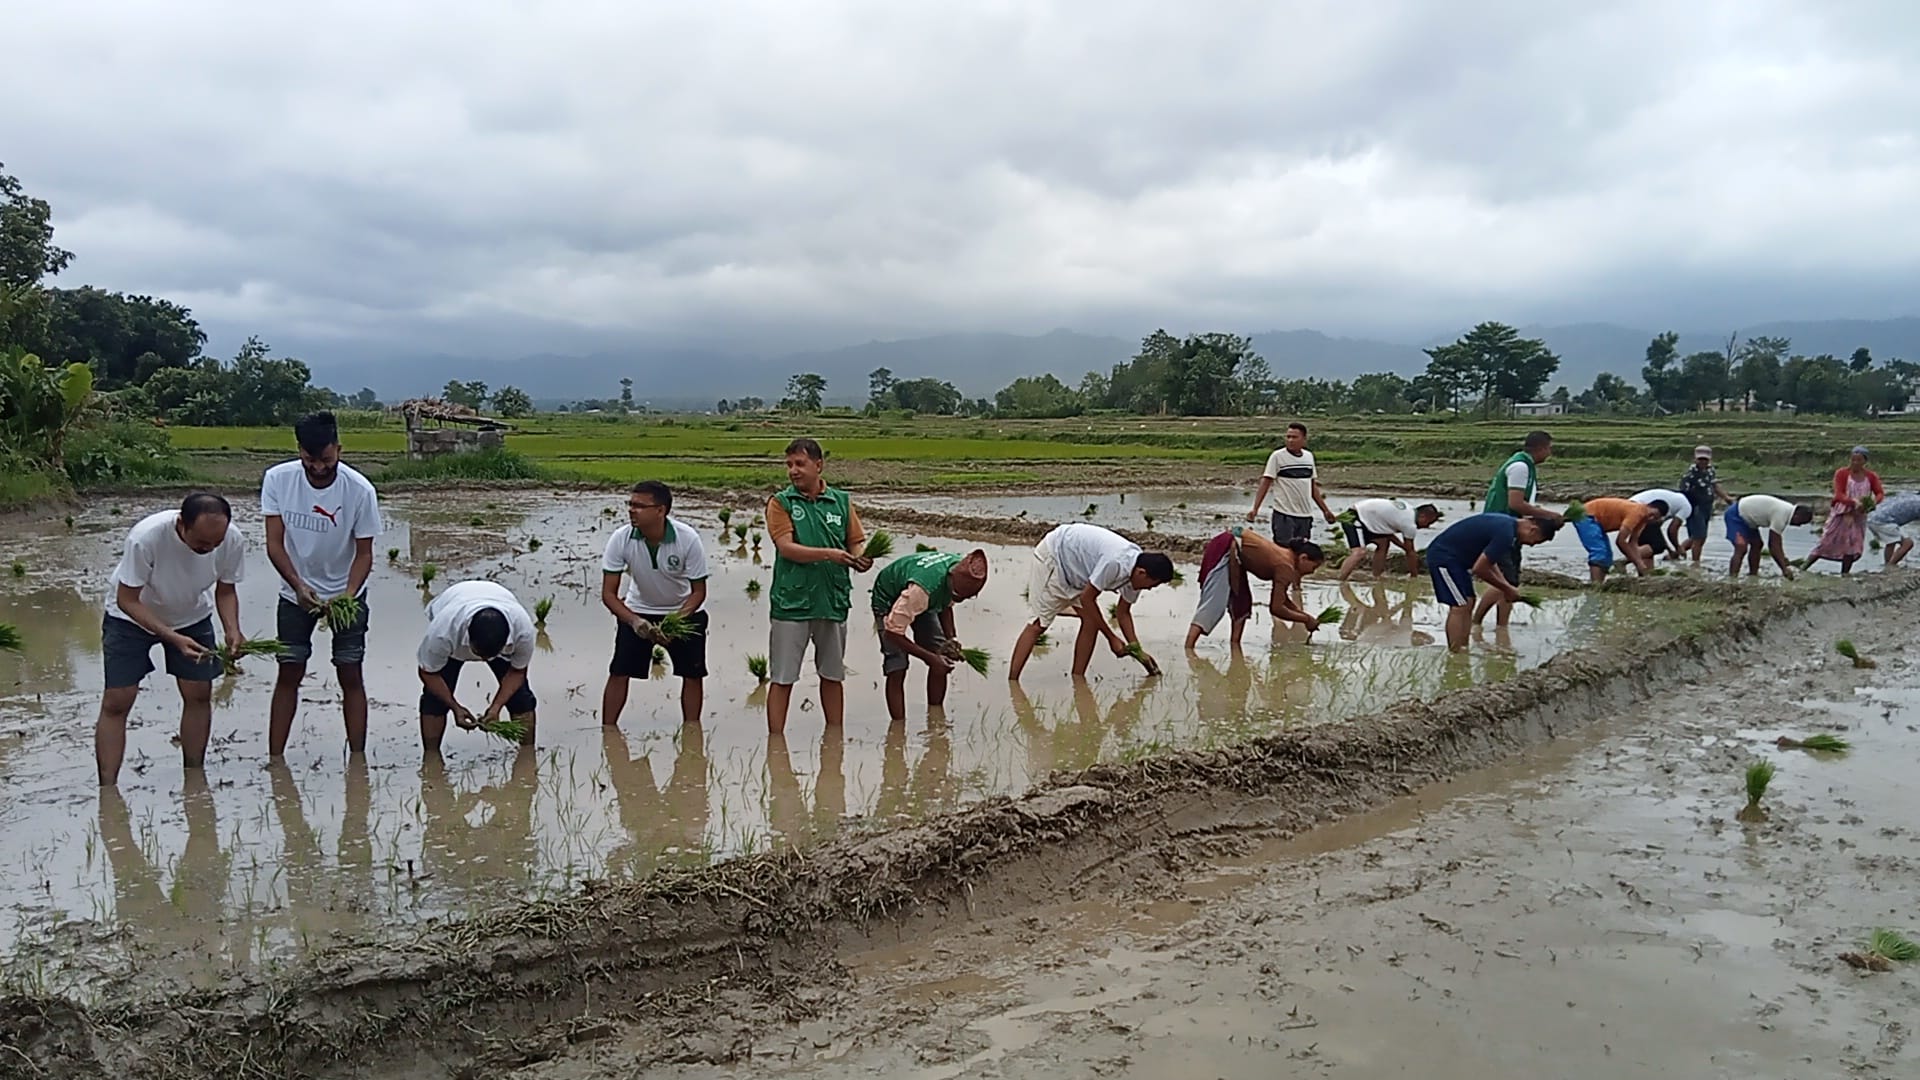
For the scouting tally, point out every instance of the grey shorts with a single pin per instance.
(1215, 590)
(787, 646)
(1287, 527)
(927, 633)
(127, 652)
(296, 625)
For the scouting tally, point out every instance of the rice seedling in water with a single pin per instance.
(921, 549)
(1331, 615)
(427, 574)
(726, 516)
(757, 667)
(756, 541)
(1178, 579)
(533, 543)
(477, 521)
(1759, 775)
(541, 609)
(1113, 611)
(659, 655)
(607, 511)
(1092, 509)
(975, 659)
(1893, 945)
(230, 657)
(879, 544)
(393, 554)
(753, 588)
(506, 728)
(1846, 648)
(341, 612)
(69, 522)
(10, 639)
(1149, 520)
(740, 532)
(674, 626)
(1832, 744)
(1575, 511)
(19, 568)
(1043, 641)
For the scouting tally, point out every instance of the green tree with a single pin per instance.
(880, 389)
(364, 398)
(27, 250)
(1495, 360)
(1609, 393)
(1703, 377)
(511, 401)
(626, 395)
(125, 338)
(1757, 370)
(1042, 396)
(473, 394)
(804, 392)
(39, 405)
(1860, 361)
(1561, 398)
(931, 396)
(254, 390)
(1198, 377)
(1382, 392)
(1661, 374)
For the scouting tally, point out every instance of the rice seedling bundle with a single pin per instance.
(975, 659)
(1349, 516)
(726, 516)
(19, 568)
(756, 539)
(427, 574)
(1847, 649)
(1575, 511)
(659, 655)
(757, 667)
(533, 543)
(507, 729)
(10, 639)
(1893, 945)
(674, 626)
(541, 609)
(740, 532)
(1331, 614)
(879, 544)
(230, 657)
(753, 587)
(340, 613)
(1867, 503)
(1832, 744)
(921, 549)
(1532, 599)
(393, 554)
(1759, 775)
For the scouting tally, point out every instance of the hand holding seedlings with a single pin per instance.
(675, 625)
(976, 659)
(340, 613)
(879, 544)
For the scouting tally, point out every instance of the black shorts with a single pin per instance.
(520, 704)
(296, 625)
(1359, 535)
(1651, 537)
(126, 651)
(1510, 565)
(1287, 527)
(633, 655)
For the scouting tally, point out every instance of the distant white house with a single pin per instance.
(1538, 408)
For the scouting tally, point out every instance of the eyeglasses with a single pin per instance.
(642, 506)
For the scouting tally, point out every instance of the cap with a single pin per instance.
(1861, 450)
(1703, 450)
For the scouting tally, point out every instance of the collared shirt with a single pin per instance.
(659, 579)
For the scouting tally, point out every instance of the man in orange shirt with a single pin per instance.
(1626, 520)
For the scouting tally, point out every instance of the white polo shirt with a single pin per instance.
(451, 611)
(175, 582)
(1678, 505)
(1387, 517)
(659, 579)
(1092, 555)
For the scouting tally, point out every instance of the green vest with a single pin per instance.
(1497, 490)
(927, 569)
(821, 590)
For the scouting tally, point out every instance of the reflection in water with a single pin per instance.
(929, 787)
(658, 826)
(794, 824)
(181, 919)
(479, 842)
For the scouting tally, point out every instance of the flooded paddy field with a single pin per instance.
(252, 864)
(1202, 512)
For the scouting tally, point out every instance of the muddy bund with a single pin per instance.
(381, 916)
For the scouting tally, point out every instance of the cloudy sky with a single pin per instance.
(480, 176)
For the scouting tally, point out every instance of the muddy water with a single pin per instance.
(250, 862)
(1204, 512)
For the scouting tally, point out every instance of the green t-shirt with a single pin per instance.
(1497, 490)
(927, 569)
(822, 590)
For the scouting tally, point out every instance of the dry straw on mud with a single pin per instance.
(879, 544)
(1832, 744)
(1846, 648)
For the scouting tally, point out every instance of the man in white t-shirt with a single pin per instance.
(1072, 566)
(1379, 524)
(321, 518)
(178, 570)
(475, 620)
(1749, 516)
(1291, 476)
(665, 564)
(1679, 508)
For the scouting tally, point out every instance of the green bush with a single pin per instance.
(120, 452)
(498, 464)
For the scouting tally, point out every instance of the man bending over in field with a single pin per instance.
(1628, 522)
(1477, 547)
(1747, 516)
(1890, 521)
(475, 620)
(1380, 523)
(1225, 564)
(1072, 566)
(913, 601)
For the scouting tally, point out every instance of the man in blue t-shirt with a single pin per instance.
(1476, 547)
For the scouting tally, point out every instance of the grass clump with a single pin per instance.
(975, 658)
(427, 573)
(19, 568)
(1832, 744)
(879, 544)
(340, 613)
(10, 639)
(673, 626)
(541, 609)
(1847, 649)
(393, 555)
(753, 588)
(477, 521)
(1893, 945)
(230, 656)
(1758, 776)
(757, 667)
(534, 543)
(489, 464)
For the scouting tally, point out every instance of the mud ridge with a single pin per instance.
(518, 984)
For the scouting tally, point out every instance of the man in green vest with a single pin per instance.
(1513, 490)
(816, 536)
(913, 602)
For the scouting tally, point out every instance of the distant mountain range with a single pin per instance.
(981, 363)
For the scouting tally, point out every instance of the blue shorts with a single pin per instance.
(1698, 520)
(1594, 539)
(1737, 527)
(1452, 583)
